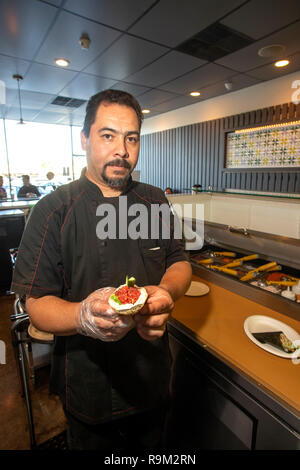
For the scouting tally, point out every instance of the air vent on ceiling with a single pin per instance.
(68, 102)
(214, 42)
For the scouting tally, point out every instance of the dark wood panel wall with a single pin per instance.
(192, 154)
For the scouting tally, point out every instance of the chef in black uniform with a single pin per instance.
(111, 371)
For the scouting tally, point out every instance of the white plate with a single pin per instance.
(197, 288)
(261, 324)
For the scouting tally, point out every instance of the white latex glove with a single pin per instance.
(98, 320)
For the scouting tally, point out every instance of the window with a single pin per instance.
(36, 149)
(79, 159)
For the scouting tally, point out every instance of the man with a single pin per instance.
(50, 175)
(28, 189)
(113, 376)
(3, 194)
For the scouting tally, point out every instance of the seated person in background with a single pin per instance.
(3, 194)
(50, 175)
(168, 191)
(28, 190)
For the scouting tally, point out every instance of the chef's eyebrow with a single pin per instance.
(117, 132)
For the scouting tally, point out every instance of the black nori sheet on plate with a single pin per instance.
(274, 338)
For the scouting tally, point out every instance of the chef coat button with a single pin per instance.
(103, 243)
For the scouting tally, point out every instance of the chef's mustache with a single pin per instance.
(119, 162)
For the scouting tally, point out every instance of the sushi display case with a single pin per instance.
(270, 276)
(263, 267)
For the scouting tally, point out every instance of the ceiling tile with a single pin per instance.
(63, 110)
(178, 102)
(152, 114)
(166, 68)
(150, 68)
(70, 28)
(18, 37)
(53, 2)
(172, 22)
(86, 85)
(260, 18)
(125, 57)
(46, 79)
(79, 112)
(197, 79)
(131, 88)
(248, 58)
(238, 81)
(49, 117)
(10, 66)
(117, 13)
(14, 113)
(33, 100)
(154, 97)
(268, 72)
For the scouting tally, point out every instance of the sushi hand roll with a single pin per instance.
(277, 339)
(128, 299)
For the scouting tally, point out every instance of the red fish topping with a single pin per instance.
(128, 295)
(276, 276)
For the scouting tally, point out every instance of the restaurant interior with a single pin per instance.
(218, 82)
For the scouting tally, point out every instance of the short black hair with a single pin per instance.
(109, 96)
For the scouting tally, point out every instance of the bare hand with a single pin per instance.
(152, 319)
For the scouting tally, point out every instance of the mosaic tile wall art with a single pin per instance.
(275, 147)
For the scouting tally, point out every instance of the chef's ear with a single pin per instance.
(84, 140)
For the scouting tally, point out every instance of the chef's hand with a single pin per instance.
(98, 320)
(151, 320)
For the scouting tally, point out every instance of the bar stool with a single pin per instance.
(24, 335)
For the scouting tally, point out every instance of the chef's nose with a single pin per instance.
(121, 149)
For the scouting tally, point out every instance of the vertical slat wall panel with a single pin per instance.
(292, 181)
(285, 182)
(195, 153)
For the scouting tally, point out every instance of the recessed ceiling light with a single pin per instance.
(195, 93)
(273, 50)
(62, 62)
(228, 86)
(146, 111)
(281, 63)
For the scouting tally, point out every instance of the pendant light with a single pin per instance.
(18, 78)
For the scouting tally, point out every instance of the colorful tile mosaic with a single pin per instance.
(272, 147)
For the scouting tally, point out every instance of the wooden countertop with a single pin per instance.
(218, 318)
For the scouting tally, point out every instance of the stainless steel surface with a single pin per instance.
(242, 230)
(270, 247)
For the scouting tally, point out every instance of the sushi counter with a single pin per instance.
(228, 393)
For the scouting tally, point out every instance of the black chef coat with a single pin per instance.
(61, 255)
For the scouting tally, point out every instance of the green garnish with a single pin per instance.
(130, 282)
(115, 298)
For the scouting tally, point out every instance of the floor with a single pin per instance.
(48, 416)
